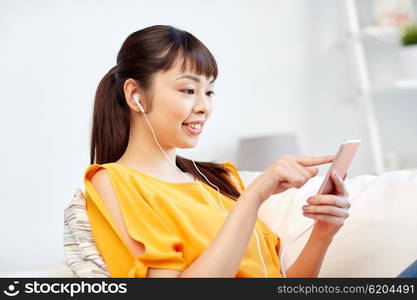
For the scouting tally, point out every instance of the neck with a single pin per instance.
(144, 154)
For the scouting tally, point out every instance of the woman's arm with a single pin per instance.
(309, 261)
(330, 213)
(222, 258)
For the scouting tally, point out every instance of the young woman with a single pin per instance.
(154, 213)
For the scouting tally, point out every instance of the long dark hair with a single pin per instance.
(142, 54)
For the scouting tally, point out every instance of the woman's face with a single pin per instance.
(178, 98)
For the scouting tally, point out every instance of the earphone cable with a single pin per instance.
(224, 211)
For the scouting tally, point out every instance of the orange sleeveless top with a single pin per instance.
(175, 222)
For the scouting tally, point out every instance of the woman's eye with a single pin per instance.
(191, 91)
(187, 91)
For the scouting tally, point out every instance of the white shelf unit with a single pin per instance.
(365, 91)
(398, 85)
(406, 84)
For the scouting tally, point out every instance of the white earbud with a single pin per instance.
(136, 99)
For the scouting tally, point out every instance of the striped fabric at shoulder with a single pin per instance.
(80, 251)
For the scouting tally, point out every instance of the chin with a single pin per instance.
(187, 144)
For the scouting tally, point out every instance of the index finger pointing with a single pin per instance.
(314, 161)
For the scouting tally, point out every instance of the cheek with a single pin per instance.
(177, 112)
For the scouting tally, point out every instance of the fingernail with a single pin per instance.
(334, 174)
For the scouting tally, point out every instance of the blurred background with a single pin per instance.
(295, 77)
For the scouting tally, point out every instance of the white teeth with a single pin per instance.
(195, 126)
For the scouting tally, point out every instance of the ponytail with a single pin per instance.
(111, 121)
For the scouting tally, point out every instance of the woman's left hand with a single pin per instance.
(330, 211)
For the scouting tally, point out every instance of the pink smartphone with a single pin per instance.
(340, 164)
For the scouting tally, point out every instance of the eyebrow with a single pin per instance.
(192, 78)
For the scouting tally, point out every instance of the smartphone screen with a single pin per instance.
(340, 164)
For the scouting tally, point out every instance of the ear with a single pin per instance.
(131, 88)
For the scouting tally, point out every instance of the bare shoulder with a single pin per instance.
(102, 183)
(100, 178)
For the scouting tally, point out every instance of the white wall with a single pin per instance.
(280, 71)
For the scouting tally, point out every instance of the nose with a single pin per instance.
(202, 104)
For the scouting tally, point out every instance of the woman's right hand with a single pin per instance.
(287, 172)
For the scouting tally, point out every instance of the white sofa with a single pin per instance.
(379, 239)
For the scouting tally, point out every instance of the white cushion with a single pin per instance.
(377, 240)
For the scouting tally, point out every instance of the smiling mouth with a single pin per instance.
(190, 129)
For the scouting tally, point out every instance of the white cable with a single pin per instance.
(226, 213)
(286, 247)
(221, 202)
